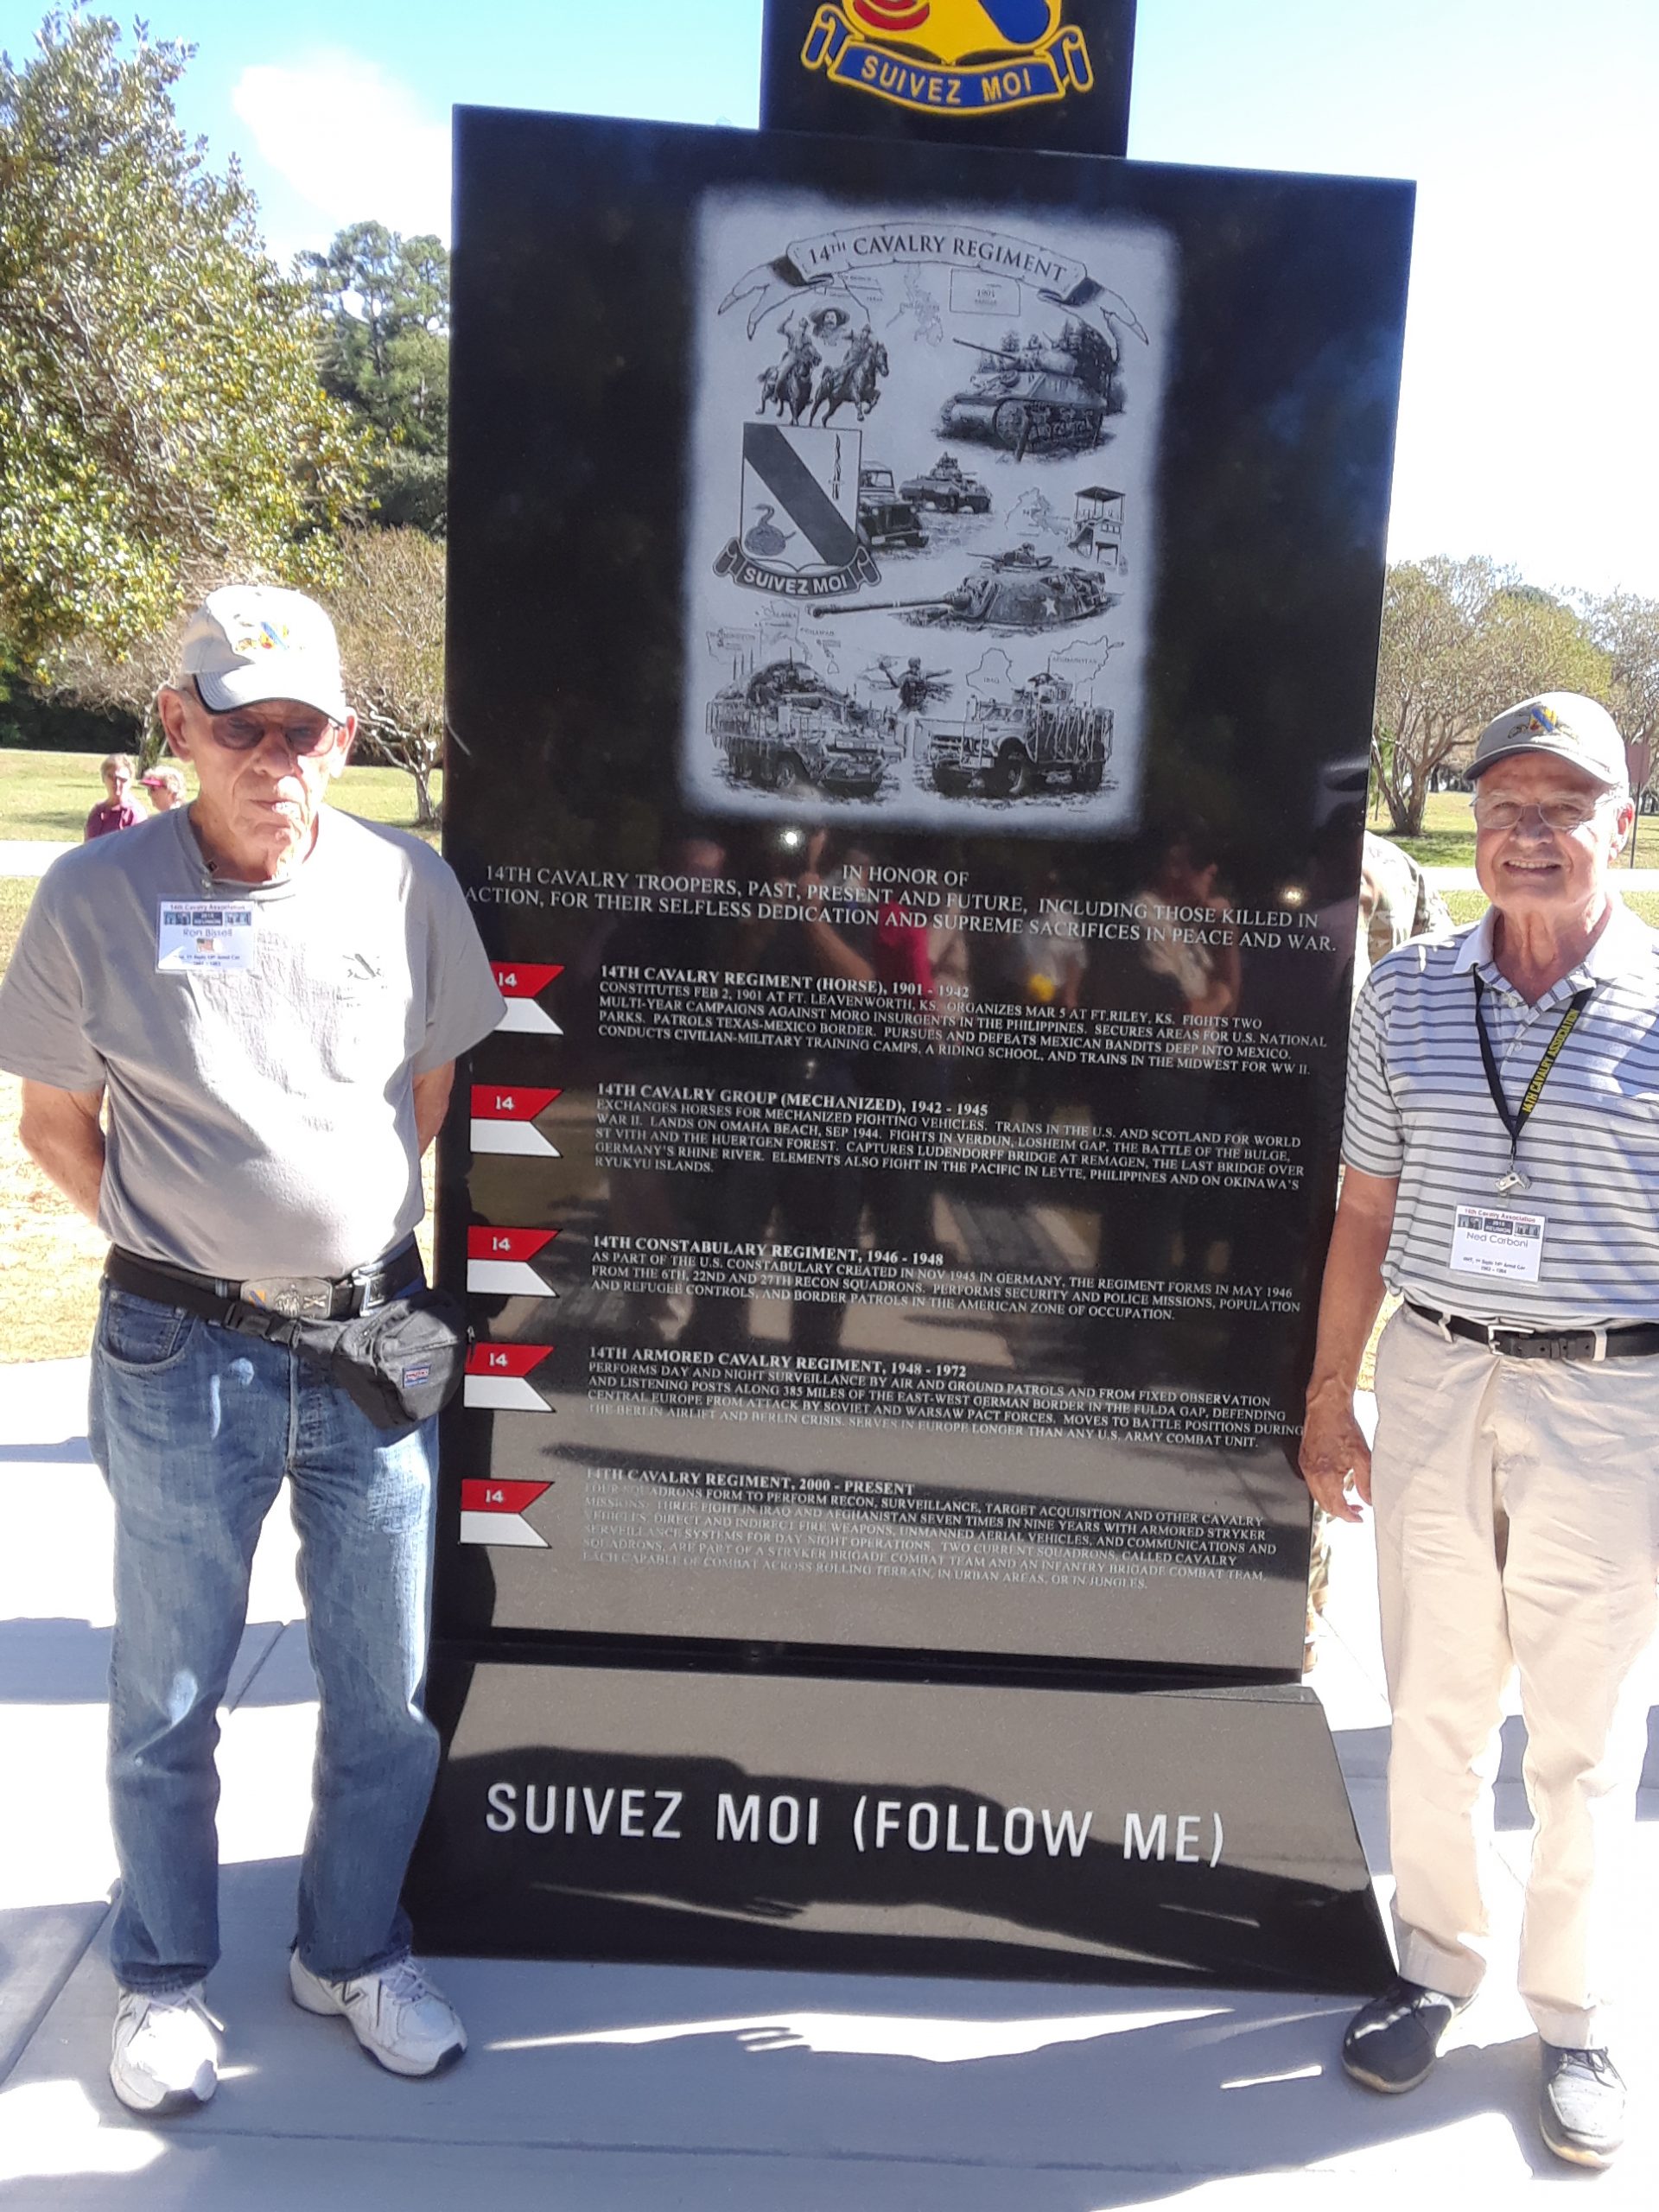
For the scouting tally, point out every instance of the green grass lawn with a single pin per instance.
(49, 795)
(1470, 905)
(1448, 838)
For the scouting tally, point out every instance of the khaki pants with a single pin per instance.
(1517, 1524)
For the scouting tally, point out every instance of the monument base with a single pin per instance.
(1068, 1834)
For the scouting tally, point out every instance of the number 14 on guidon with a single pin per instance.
(498, 1377)
(499, 1260)
(493, 1513)
(521, 982)
(503, 1119)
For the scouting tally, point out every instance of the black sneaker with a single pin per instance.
(1581, 2105)
(1393, 2042)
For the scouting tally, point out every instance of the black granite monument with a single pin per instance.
(912, 610)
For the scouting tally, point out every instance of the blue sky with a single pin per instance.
(1527, 421)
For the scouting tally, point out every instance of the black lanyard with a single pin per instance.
(1513, 1123)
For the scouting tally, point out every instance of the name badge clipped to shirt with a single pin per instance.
(1505, 1246)
(197, 937)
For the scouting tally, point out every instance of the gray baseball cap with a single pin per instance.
(249, 643)
(1562, 723)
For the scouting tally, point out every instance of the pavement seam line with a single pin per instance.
(277, 1635)
(60, 1983)
(201, 2130)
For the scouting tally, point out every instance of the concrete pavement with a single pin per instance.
(617, 2089)
(29, 855)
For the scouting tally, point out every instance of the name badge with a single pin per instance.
(196, 936)
(1488, 1242)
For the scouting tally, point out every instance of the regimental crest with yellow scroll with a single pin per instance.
(965, 56)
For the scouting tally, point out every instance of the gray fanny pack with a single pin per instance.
(402, 1364)
(400, 1359)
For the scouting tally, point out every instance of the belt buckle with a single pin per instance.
(1559, 1344)
(374, 1284)
(297, 1298)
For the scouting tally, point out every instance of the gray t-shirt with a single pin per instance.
(260, 1103)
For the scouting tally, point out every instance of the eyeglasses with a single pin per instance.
(240, 733)
(1562, 814)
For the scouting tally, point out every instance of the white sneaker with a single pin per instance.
(397, 2015)
(165, 2057)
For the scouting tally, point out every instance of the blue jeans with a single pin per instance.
(194, 1427)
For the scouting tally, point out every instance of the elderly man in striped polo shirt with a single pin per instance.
(1502, 1151)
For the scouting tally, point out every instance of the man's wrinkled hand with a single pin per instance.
(1335, 1458)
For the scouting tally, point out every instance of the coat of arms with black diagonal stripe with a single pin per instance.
(797, 532)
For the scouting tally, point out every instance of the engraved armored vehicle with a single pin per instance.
(948, 487)
(785, 730)
(1046, 396)
(1017, 590)
(886, 522)
(1023, 556)
(1039, 740)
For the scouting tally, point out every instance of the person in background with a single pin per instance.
(118, 810)
(1397, 902)
(165, 785)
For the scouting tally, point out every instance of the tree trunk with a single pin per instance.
(427, 816)
(1406, 797)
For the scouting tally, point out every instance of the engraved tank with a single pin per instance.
(1047, 396)
(1018, 590)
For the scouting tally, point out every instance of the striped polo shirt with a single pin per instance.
(1419, 1108)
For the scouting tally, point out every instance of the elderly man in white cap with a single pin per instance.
(1502, 1151)
(236, 1026)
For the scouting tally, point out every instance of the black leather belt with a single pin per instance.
(306, 1298)
(1639, 1340)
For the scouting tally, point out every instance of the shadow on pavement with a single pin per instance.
(642, 2087)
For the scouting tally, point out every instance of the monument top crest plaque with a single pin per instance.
(1050, 74)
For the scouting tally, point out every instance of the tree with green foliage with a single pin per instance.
(385, 306)
(162, 424)
(1461, 640)
(1532, 642)
(1428, 686)
(1625, 627)
(388, 612)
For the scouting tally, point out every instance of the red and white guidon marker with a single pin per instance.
(521, 983)
(502, 1119)
(493, 1513)
(498, 1260)
(498, 1377)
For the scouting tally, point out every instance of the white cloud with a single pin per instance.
(349, 140)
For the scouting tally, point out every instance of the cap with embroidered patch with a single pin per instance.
(248, 643)
(1562, 723)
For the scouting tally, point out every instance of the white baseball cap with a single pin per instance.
(248, 643)
(1563, 723)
